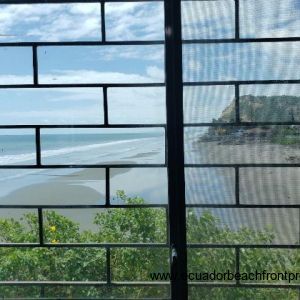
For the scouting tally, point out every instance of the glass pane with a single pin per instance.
(241, 61)
(136, 264)
(105, 64)
(134, 21)
(109, 146)
(63, 264)
(210, 185)
(234, 144)
(280, 265)
(204, 104)
(52, 187)
(18, 226)
(207, 293)
(270, 103)
(51, 106)
(119, 225)
(147, 185)
(207, 19)
(17, 146)
(270, 186)
(16, 65)
(272, 18)
(201, 261)
(137, 105)
(243, 225)
(111, 292)
(16, 292)
(50, 22)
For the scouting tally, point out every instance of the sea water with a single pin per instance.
(84, 148)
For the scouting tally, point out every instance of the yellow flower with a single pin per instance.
(52, 228)
(54, 241)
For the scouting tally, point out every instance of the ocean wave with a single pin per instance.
(30, 157)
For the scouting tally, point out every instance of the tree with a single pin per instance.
(132, 225)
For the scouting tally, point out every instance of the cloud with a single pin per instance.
(271, 90)
(64, 22)
(137, 105)
(15, 79)
(135, 21)
(85, 115)
(244, 61)
(76, 106)
(88, 76)
(259, 18)
(208, 19)
(152, 53)
(155, 73)
(83, 105)
(50, 22)
(272, 18)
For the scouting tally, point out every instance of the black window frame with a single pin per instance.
(174, 130)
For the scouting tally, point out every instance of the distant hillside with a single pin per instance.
(264, 109)
(259, 109)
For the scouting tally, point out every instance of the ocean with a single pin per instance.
(20, 186)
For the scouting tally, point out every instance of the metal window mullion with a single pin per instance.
(239, 124)
(149, 42)
(175, 137)
(237, 103)
(246, 165)
(296, 206)
(42, 292)
(105, 107)
(38, 146)
(237, 19)
(90, 166)
(108, 266)
(299, 223)
(41, 226)
(17, 2)
(103, 30)
(107, 187)
(151, 245)
(35, 65)
(240, 82)
(237, 186)
(237, 263)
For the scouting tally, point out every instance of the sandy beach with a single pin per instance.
(210, 185)
(267, 186)
(218, 153)
(80, 187)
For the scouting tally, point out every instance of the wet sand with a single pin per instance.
(84, 187)
(257, 186)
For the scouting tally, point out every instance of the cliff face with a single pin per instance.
(259, 109)
(264, 109)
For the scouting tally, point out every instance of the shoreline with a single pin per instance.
(87, 186)
(73, 187)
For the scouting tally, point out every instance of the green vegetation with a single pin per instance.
(142, 225)
(264, 109)
(259, 109)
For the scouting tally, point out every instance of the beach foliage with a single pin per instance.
(132, 225)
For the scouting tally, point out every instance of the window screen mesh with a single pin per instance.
(242, 144)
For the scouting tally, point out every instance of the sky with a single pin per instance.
(140, 64)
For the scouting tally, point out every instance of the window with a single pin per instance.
(84, 183)
(143, 139)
